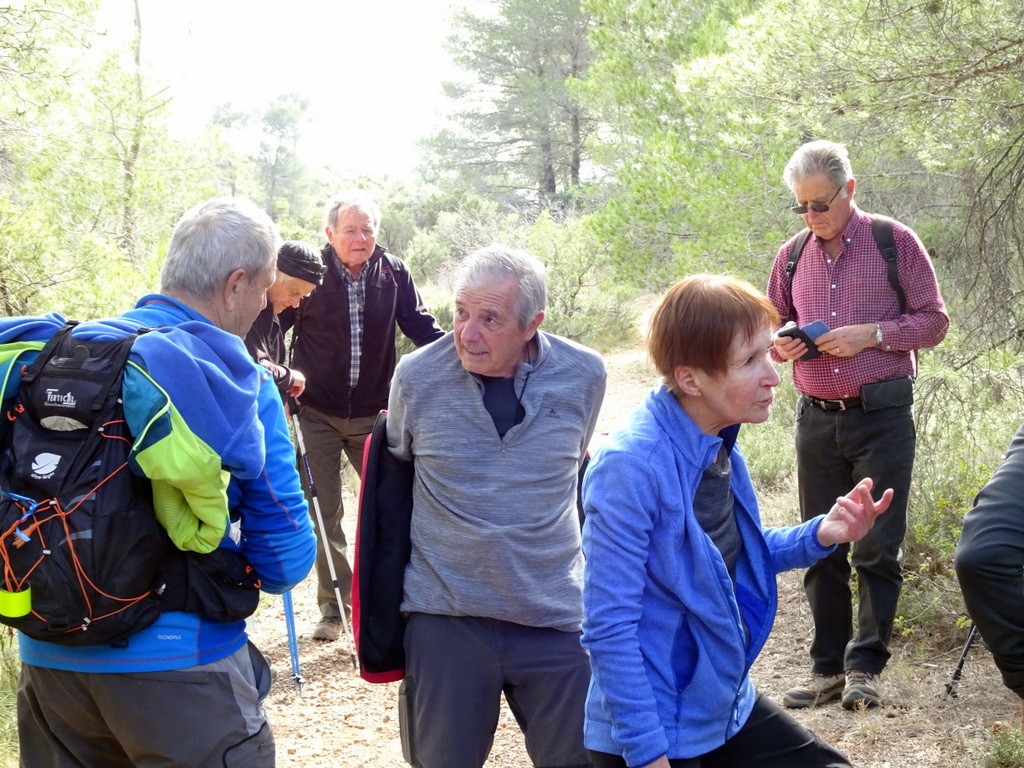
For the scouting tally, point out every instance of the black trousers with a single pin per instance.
(835, 450)
(769, 739)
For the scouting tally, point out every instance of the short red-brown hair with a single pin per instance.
(699, 317)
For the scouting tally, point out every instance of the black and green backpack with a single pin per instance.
(81, 549)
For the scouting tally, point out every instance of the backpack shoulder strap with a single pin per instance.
(794, 257)
(120, 359)
(881, 229)
(47, 352)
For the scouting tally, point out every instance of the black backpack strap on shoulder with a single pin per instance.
(120, 360)
(117, 369)
(794, 257)
(47, 352)
(881, 229)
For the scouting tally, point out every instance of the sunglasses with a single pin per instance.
(816, 207)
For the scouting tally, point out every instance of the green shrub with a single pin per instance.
(769, 448)
(1006, 749)
(966, 416)
(585, 302)
(441, 309)
(10, 671)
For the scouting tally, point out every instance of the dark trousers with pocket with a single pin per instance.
(835, 450)
(208, 716)
(457, 669)
(327, 439)
(769, 739)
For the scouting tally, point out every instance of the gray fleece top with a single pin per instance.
(495, 532)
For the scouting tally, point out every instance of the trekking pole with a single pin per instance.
(293, 639)
(951, 685)
(323, 536)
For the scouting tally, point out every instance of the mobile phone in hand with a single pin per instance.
(807, 334)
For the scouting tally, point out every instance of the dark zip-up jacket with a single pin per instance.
(322, 339)
(265, 342)
(990, 565)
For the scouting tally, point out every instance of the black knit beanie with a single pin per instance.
(301, 260)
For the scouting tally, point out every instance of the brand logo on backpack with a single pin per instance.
(55, 398)
(44, 465)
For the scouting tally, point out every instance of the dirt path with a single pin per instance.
(339, 721)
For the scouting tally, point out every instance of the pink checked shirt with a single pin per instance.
(853, 289)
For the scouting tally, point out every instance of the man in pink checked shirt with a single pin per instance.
(854, 417)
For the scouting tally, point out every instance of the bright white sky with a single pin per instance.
(372, 70)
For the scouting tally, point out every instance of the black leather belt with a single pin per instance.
(834, 405)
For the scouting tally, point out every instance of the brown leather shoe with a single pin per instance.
(328, 629)
(818, 690)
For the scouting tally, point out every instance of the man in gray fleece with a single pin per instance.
(496, 416)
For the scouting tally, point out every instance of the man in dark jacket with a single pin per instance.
(345, 346)
(299, 270)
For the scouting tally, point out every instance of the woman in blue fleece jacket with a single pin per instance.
(679, 585)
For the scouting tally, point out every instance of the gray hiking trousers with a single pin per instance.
(208, 716)
(458, 667)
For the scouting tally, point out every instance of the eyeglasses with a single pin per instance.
(816, 207)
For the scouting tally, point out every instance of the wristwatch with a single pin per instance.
(878, 335)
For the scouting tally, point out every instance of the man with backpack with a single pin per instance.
(207, 431)
(880, 303)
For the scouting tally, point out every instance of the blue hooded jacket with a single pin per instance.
(233, 407)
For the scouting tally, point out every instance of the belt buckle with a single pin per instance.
(825, 405)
